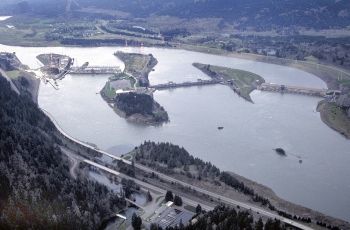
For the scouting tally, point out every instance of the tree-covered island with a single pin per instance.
(128, 93)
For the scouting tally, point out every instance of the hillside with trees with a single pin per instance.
(143, 106)
(225, 218)
(244, 13)
(37, 191)
(171, 159)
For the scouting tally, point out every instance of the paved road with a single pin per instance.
(73, 160)
(14, 88)
(146, 185)
(211, 194)
(215, 196)
(227, 200)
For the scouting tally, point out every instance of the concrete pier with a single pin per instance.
(94, 70)
(292, 89)
(185, 84)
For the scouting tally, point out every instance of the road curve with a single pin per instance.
(145, 185)
(230, 201)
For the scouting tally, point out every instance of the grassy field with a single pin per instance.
(138, 66)
(335, 117)
(123, 75)
(134, 63)
(26, 31)
(14, 74)
(244, 81)
(108, 91)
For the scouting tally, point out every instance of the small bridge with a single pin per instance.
(199, 82)
(94, 70)
(293, 89)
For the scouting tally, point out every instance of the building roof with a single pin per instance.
(169, 203)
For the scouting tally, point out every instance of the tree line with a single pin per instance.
(168, 158)
(37, 191)
(226, 218)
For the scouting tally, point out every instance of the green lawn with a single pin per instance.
(241, 77)
(134, 62)
(109, 91)
(245, 81)
(14, 74)
(335, 117)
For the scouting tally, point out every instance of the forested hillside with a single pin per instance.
(261, 14)
(36, 189)
(265, 14)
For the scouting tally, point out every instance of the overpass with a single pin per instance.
(94, 70)
(271, 87)
(171, 85)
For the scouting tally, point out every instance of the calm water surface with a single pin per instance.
(250, 131)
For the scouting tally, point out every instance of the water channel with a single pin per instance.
(251, 131)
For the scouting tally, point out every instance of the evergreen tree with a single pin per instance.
(199, 209)
(136, 222)
(149, 196)
(177, 200)
(169, 196)
(259, 225)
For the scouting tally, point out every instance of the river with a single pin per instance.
(251, 131)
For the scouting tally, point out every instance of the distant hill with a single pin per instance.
(255, 13)
(260, 14)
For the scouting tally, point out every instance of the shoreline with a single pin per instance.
(298, 64)
(135, 118)
(255, 60)
(290, 206)
(323, 108)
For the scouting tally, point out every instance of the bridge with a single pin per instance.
(94, 70)
(199, 82)
(293, 89)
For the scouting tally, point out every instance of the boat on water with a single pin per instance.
(280, 151)
(220, 128)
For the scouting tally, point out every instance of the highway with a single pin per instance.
(145, 185)
(14, 88)
(227, 200)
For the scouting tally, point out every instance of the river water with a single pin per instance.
(251, 131)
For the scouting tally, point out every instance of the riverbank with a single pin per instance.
(196, 172)
(240, 81)
(127, 92)
(157, 115)
(291, 207)
(334, 117)
(21, 79)
(213, 126)
(138, 65)
(328, 74)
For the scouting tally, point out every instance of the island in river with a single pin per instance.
(127, 92)
(55, 65)
(241, 81)
(138, 66)
(140, 108)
